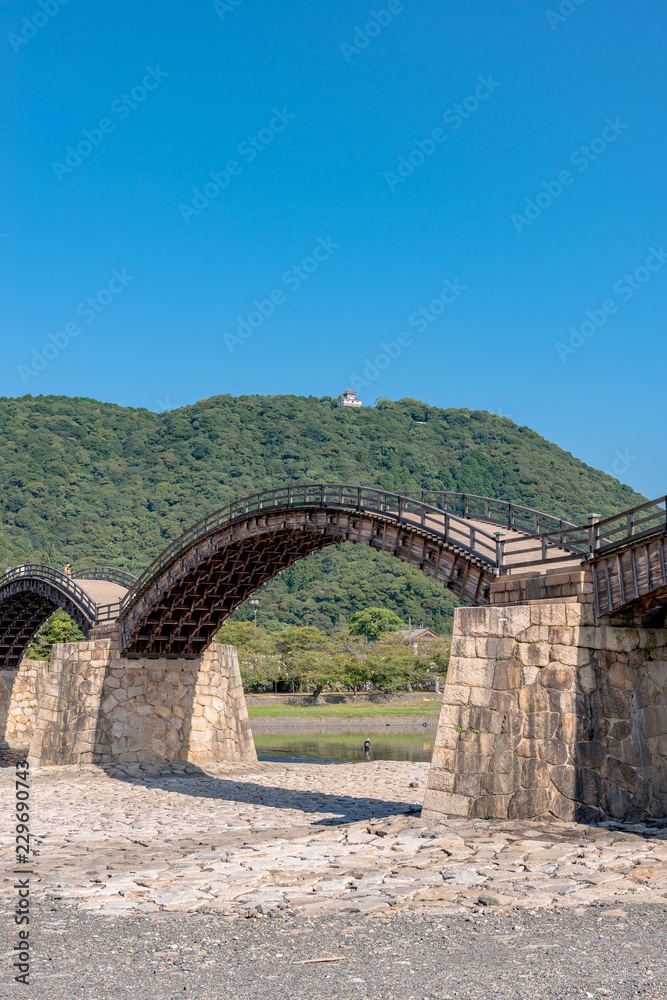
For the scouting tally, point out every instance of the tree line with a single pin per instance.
(370, 652)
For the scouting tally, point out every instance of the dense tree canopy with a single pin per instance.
(58, 628)
(374, 622)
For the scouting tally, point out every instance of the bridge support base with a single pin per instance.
(546, 713)
(20, 691)
(96, 707)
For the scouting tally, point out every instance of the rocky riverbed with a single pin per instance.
(310, 839)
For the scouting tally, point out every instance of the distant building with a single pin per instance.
(349, 398)
(417, 635)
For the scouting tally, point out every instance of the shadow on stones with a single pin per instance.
(195, 782)
(14, 695)
(7, 681)
(616, 775)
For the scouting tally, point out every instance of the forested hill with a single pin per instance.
(84, 481)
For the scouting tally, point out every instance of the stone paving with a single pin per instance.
(271, 839)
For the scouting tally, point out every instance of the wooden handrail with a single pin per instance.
(107, 573)
(392, 505)
(64, 583)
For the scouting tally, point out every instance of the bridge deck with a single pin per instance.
(102, 591)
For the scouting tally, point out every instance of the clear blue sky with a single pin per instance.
(305, 112)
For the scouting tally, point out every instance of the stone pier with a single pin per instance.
(90, 705)
(547, 711)
(20, 691)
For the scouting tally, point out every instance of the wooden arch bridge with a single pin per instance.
(177, 604)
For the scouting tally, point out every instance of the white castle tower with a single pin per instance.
(349, 398)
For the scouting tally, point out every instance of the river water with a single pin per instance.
(334, 747)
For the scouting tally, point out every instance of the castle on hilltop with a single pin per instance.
(349, 398)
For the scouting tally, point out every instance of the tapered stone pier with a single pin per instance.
(547, 711)
(92, 706)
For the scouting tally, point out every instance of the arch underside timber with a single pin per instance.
(24, 607)
(182, 607)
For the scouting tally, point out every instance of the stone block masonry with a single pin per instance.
(96, 707)
(568, 583)
(20, 692)
(547, 712)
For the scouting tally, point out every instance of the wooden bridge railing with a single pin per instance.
(587, 542)
(399, 507)
(64, 583)
(108, 573)
(629, 526)
(503, 513)
(444, 515)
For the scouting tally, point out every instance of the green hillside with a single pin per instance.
(84, 481)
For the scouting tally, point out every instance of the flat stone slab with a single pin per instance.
(266, 837)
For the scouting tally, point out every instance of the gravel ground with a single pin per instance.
(597, 951)
(160, 881)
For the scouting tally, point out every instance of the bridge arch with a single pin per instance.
(180, 601)
(29, 594)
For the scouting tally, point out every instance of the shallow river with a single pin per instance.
(344, 746)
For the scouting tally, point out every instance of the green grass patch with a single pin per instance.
(344, 711)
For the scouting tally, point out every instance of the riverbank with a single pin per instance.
(402, 717)
(263, 725)
(334, 747)
(342, 698)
